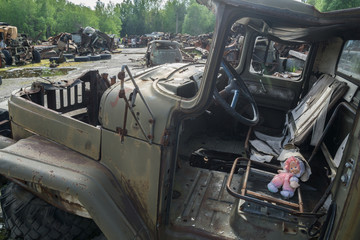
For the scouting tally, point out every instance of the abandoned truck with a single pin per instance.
(15, 47)
(266, 149)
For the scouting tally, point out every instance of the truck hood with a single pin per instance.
(159, 87)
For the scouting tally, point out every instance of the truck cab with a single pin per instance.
(186, 151)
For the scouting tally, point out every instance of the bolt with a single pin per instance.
(122, 93)
(121, 75)
(348, 165)
(344, 179)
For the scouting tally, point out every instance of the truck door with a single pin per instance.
(274, 73)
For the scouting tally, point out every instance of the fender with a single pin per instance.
(36, 161)
(5, 142)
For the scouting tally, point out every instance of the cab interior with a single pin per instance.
(279, 69)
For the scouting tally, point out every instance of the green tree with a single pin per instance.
(46, 19)
(75, 16)
(173, 15)
(21, 14)
(109, 21)
(329, 5)
(198, 20)
(133, 15)
(153, 17)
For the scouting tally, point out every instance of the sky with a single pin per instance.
(92, 3)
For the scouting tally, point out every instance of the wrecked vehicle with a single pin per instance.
(57, 45)
(155, 157)
(16, 48)
(162, 51)
(155, 35)
(93, 41)
(88, 43)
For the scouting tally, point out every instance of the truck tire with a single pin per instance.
(95, 58)
(36, 57)
(5, 129)
(29, 217)
(82, 59)
(105, 56)
(69, 56)
(8, 58)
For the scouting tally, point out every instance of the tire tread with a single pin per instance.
(29, 217)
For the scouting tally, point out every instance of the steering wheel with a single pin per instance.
(236, 86)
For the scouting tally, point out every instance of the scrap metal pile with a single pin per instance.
(86, 41)
(196, 48)
(286, 61)
(90, 40)
(15, 48)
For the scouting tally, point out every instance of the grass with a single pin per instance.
(41, 69)
(43, 63)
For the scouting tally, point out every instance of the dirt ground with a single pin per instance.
(129, 56)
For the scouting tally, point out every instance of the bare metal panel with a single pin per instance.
(70, 132)
(53, 166)
(136, 165)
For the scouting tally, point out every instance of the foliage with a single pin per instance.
(109, 20)
(198, 20)
(173, 15)
(329, 5)
(44, 18)
(41, 19)
(132, 15)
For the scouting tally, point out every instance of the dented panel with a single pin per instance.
(72, 174)
(75, 134)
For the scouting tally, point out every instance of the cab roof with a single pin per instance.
(294, 21)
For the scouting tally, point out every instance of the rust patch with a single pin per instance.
(165, 139)
(88, 145)
(39, 148)
(60, 200)
(130, 187)
(198, 232)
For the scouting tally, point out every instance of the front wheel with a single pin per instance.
(8, 58)
(29, 217)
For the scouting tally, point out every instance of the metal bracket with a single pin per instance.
(263, 89)
(130, 106)
(349, 168)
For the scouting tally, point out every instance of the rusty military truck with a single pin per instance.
(186, 151)
(15, 47)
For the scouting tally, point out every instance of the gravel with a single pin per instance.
(129, 56)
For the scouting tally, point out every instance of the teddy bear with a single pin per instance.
(288, 178)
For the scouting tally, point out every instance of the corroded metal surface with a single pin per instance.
(61, 200)
(136, 165)
(159, 100)
(5, 141)
(73, 133)
(39, 161)
(201, 204)
(267, 200)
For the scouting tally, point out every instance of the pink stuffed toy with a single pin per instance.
(288, 178)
